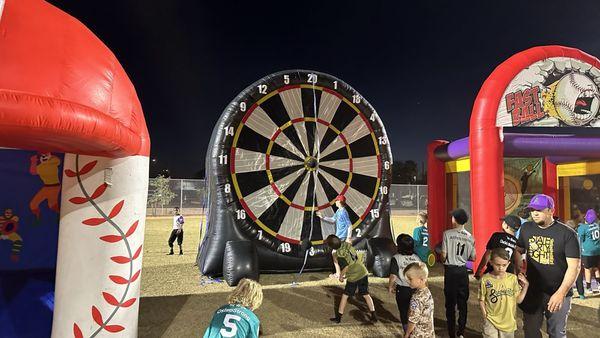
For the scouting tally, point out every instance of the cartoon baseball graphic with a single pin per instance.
(46, 166)
(574, 99)
(551, 93)
(9, 224)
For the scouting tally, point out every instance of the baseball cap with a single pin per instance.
(341, 198)
(512, 221)
(541, 202)
(460, 215)
(590, 216)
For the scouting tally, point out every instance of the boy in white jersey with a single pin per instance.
(458, 246)
(177, 232)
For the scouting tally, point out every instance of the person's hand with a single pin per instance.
(318, 213)
(349, 240)
(523, 280)
(477, 275)
(556, 301)
(178, 231)
(341, 279)
(391, 289)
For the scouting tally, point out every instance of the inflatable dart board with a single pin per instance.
(283, 149)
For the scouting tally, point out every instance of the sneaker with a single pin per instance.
(337, 319)
(373, 317)
(170, 253)
(181, 252)
(581, 296)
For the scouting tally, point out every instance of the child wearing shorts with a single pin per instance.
(356, 276)
(499, 294)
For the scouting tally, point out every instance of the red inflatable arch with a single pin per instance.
(486, 143)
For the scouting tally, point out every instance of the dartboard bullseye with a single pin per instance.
(290, 144)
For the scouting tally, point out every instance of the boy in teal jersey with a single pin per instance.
(589, 237)
(237, 319)
(421, 237)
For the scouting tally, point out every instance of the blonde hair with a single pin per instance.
(248, 293)
(422, 217)
(417, 269)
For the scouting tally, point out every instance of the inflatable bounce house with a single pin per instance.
(532, 130)
(74, 174)
(282, 151)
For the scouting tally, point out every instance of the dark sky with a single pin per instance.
(419, 63)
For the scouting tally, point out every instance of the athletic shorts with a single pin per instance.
(590, 261)
(362, 285)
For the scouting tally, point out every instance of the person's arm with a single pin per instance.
(473, 255)
(483, 263)
(33, 165)
(392, 279)
(414, 309)
(482, 306)
(482, 299)
(342, 274)
(392, 283)
(517, 260)
(444, 249)
(524, 285)
(409, 329)
(555, 302)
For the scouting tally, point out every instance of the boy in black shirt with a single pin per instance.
(553, 260)
(503, 239)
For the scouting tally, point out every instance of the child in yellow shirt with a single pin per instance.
(498, 297)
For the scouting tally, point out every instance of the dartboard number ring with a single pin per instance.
(292, 143)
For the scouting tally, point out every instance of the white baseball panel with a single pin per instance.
(97, 262)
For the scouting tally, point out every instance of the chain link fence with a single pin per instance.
(190, 198)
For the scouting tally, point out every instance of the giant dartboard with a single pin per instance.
(288, 145)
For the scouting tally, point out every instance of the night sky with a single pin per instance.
(420, 64)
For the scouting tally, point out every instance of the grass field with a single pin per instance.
(174, 302)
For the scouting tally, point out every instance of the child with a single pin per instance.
(421, 237)
(458, 246)
(397, 281)
(499, 293)
(177, 232)
(505, 239)
(342, 224)
(589, 237)
(356, 274)
(420, 314)
(237, 319)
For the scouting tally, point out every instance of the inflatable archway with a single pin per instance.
(549, 87)
(74, 158)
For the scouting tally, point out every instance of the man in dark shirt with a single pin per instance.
(503, 239)
(553, 260)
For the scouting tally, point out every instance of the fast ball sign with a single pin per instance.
(555, 92)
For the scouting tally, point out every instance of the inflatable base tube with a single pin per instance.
(381, 251)
(240, 261)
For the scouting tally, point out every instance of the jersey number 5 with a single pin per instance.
(230, 324)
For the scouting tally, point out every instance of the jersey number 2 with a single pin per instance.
(230, 324)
